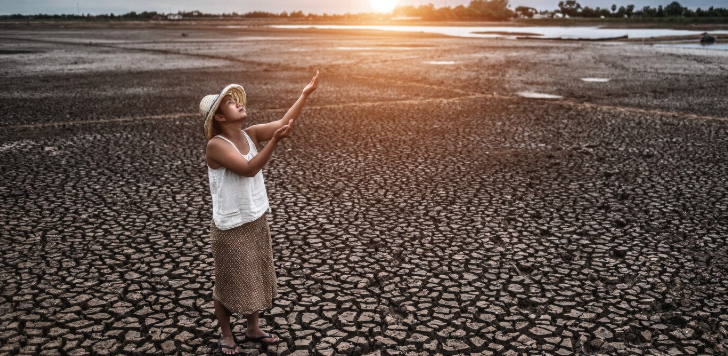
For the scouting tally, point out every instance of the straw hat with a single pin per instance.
(210, 103)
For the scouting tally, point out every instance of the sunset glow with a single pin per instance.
(383, 5)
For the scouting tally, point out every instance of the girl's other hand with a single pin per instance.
(284, 131)
(311, 85)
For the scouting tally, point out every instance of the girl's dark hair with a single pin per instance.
(215, 124)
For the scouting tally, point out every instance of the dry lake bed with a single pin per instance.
(440, 195)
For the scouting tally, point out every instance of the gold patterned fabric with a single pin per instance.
(245, 278)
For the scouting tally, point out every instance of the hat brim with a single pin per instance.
(238, 94)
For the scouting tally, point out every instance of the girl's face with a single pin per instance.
(232, 110)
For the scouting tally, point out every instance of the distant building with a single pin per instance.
(174, 17)
(549, 15)
(526, 12)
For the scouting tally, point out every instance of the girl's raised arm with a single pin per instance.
(264, 132)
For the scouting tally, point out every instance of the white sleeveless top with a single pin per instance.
(236, 199)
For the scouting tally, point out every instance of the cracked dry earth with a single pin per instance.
(414, 211)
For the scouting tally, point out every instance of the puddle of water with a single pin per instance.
(511, 31)
(718, 46)
(532, 95)
(506, 33)
(442, 62)
(595, 80)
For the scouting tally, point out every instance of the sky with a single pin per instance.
(30, 7)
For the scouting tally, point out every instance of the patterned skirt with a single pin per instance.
(245, 278)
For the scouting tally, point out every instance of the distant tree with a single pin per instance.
(494, 10)
(630, 10)
(409, 11)
(622, 11)
(614, 7)
(589, 12)
(660, 11)
(716, 12)
(674, 9)
(445, 13)
(649, 11)
(426, 12)
(465, 13)
(569, 7)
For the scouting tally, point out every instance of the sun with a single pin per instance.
(383, 5)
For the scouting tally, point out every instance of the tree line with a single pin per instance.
(477, 10)
(489, 10)
(572, 8)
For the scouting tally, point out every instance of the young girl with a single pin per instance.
(245, 279)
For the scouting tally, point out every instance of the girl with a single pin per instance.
(245, 279)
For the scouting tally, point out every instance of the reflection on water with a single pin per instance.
(505, 31)
(595, 80)
(720, 46)
(442, 62)
(532, 95)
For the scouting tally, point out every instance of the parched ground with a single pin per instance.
(417, 209)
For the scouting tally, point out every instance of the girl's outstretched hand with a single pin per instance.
(284, 131)
(311, 85)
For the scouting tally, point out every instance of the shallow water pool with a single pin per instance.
(504, 31)
(532, 95)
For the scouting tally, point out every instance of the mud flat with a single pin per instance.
(417, 209)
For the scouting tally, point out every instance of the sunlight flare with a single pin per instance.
(383, 5)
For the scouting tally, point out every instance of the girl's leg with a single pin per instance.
(252, 321)
(223, 318)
